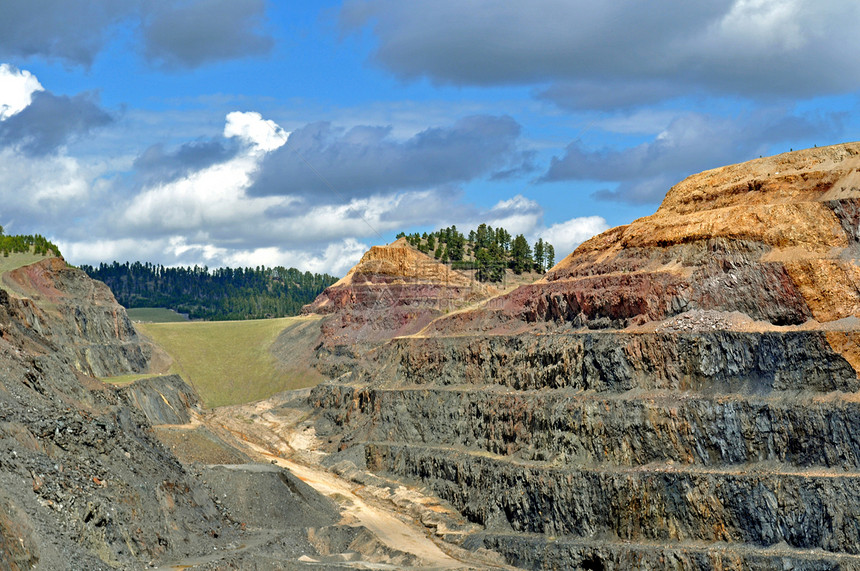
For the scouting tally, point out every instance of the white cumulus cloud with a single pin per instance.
(250, 127)
(518, 215)
(16, 90)
(566, 236)
(336, 259)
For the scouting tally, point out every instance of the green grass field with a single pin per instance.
(230, 362)
(155, 315)
(18, 260)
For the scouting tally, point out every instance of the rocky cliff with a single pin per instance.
(775, 239)
(83, 482)
(76, 316)
(394, 290)
(678, 393)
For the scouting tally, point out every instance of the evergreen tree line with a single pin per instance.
(23, 244)
(487, 250)
(219, 294)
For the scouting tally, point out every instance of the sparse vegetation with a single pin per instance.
(23, 250)
(487, 250)
(23, 244)
(18, 260)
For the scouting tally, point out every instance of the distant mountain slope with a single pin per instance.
(219, 294)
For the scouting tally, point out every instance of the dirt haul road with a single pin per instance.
(279, 437)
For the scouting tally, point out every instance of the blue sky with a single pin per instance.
(248, 132)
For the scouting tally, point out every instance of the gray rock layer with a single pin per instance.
(83, 482)
(609, 450)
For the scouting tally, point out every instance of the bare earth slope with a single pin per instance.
(394, 290)
(681, 392)
(84, 481)
(775, 238)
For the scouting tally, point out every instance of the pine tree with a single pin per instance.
(521, 255)
(539, 255)
(438, 253)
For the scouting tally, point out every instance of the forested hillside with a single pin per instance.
(219, 294)
(18, 244)
(489, 251)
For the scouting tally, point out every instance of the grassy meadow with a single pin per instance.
(17, 260)
(230, 362)
(155, 315)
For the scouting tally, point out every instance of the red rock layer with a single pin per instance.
(394, 290)
(775, 238)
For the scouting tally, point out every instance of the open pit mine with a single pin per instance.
(678, 393)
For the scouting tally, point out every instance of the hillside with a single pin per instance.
(220, 294)
(680, 391)
(99, 477)
(232, 362)
(75, 457)
(394, 290)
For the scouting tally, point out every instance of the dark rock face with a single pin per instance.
(678, 393)
(76, 316)
(83, 482)
(163, 400)
(594, 446)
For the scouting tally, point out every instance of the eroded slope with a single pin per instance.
(679, 392)
(774, 238)
(394, 290)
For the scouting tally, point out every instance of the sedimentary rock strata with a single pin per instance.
(394, 290)
(678, 392)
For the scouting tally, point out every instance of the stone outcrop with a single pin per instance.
(394, 290)
(83, 482)
(678, 393)
(163, 400)
(775, 238)
(77, 316)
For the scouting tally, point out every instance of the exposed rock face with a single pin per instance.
(394, 290)
(774, 238)
(163, 400)
(678, 393)
(83, 482)
(77, 316)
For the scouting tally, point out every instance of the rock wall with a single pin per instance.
(163, 400)
(77, 316)
(83, 482)
(678, 393)
(612, 442)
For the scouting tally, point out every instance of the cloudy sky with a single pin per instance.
(254, 132)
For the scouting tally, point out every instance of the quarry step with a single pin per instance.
(749, 469)
(538, 551)
(631, 428)
(760, 505)
(612, 361)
